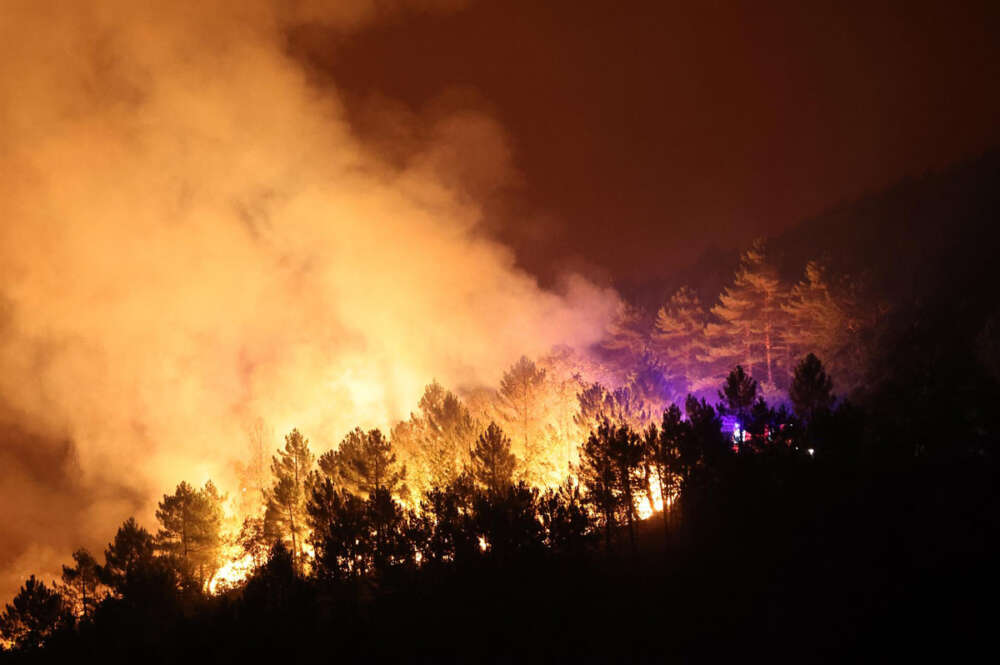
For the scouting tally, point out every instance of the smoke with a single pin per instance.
(192, 237)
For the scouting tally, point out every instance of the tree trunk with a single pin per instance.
(746, 349)
(767, 348)
(295, 547)
(767, 337)
(629, 508)
(631, 529)
(666, 508)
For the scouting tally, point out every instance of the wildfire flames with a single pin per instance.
(194, 238)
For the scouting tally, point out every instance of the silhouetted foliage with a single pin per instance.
(706, 439)
(81, 586)
(811, 389)
(35, 613)
(507, 520)
(738, 394)
(598, 476)
(662, 452)
(127, 557)
(446, 523)
(569, 530)
(339, 525)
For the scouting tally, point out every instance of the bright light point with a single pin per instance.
(231, 574)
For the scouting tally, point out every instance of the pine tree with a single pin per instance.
(565, 519)
(364, 463)
(738, 394)
(437, 441)
(592, 408)
(679, 338)
(508, 521)
(564, 370)
(815, 319)
(598, 475)
(492, 464)
(811, 388)
(829, 317)
(621, 407)
(191, 522)
(81, 586)
(253, 540)
(286, 500)
(125, 558)
(339, 531)
(662, 452)
(387, 528)
(522, 405)
(445, 528)
(627, 337)
(749, 318)
(704, 443)
(625, 449)
(648, 384)
(134, 573)
(32, 616)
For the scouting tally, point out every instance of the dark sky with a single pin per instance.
(646, 132)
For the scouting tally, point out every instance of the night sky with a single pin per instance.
(644, 133)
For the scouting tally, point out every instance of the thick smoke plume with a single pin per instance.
(191, 238)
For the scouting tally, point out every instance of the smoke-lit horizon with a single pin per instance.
(193, 238)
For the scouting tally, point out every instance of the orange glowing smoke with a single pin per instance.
(192, 237)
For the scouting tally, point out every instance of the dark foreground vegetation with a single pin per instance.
(828, 534)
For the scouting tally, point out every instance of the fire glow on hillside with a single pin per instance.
(196, 239)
